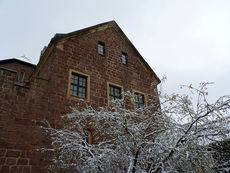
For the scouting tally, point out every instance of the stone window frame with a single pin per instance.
(140, 93)
(115, 85)
(87, 98)
(101, 48)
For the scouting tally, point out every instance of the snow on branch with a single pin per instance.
(176, 136)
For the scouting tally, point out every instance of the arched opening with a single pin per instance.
(88, 137)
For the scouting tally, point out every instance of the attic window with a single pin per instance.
(101, 48)
(124, 58)
(21, 76)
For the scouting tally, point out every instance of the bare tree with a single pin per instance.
(175, 137)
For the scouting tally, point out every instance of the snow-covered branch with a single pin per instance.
(175, 137)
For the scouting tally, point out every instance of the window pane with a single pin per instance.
(73, 93)
(117, 92)
(81, 92)
(82, 81)
(80, 95)
(141, 99)
(111, 91)
(74, 79)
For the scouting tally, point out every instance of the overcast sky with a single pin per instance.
(186, 40)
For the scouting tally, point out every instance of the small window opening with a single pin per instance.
(124, 58)
(101, 48)
(21, 76)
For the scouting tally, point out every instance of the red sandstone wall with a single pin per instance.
(20, 137)
(80, 54)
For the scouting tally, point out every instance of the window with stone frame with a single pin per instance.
(101, 48)
(78, 85)
(139, 100)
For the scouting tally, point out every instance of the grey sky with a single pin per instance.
(187, 40)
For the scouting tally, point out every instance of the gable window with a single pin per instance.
(21, 76)
(139, 100)
(78, 85)
(101, 48)
(124, 58)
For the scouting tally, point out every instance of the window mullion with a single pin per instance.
(78, 85)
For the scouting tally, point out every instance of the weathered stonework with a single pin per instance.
(44, 92)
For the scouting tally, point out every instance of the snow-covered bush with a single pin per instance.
(175, 137)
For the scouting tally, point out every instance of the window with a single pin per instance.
(139, 100)
(124, 58)
(78, 85)
(114, 92)
(101, 48)
(21, 76)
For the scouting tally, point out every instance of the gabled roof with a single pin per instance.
(61, 37)
(12, 60)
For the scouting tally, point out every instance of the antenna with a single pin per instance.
(24, 57)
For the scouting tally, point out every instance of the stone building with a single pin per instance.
(95, 64)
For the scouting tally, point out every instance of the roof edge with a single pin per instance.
(18, 61)
(59, 36)
(135, 49)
